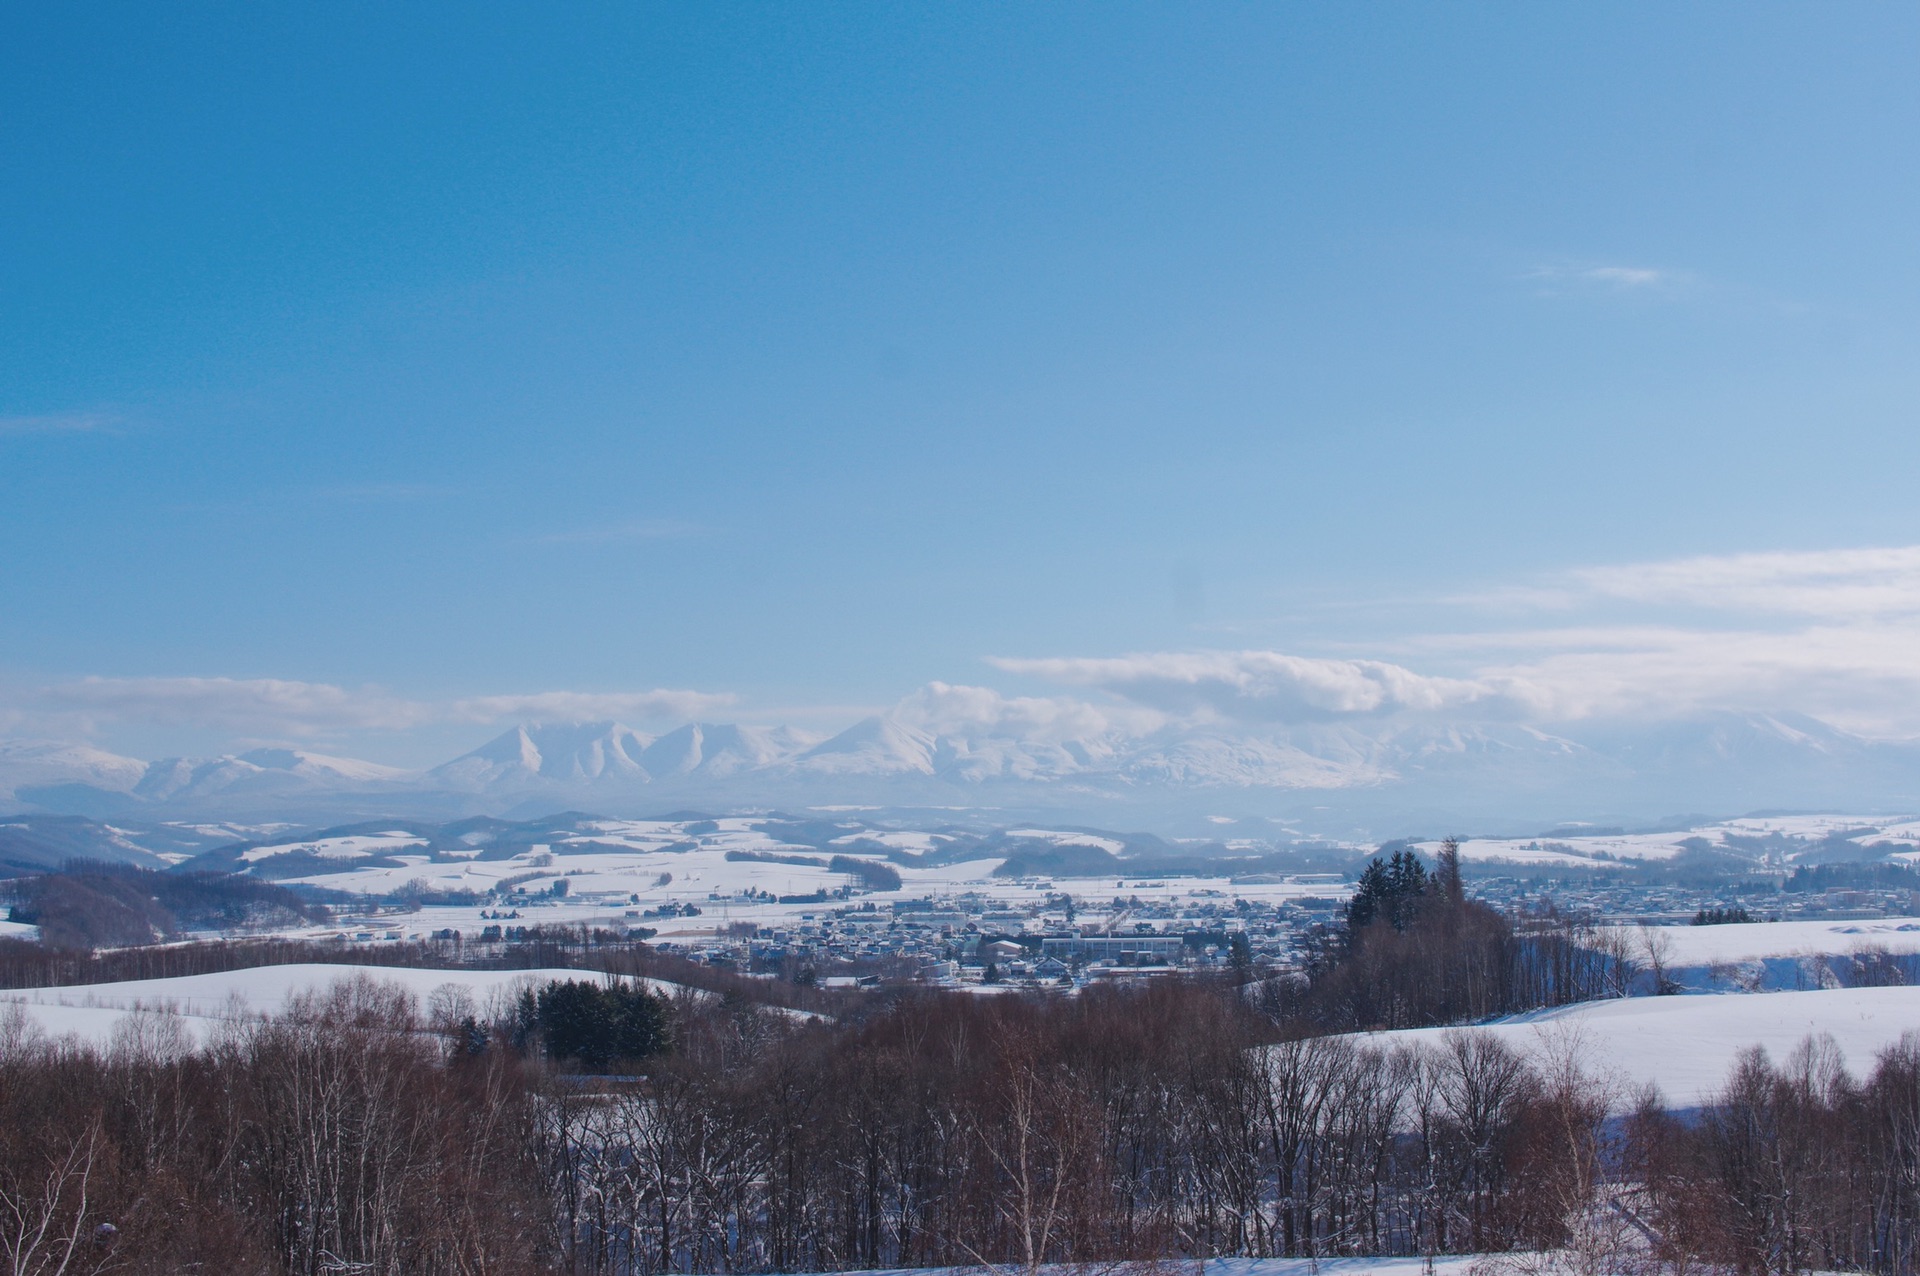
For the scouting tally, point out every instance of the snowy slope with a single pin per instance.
(1687, 1045)
(715, 752)
(262, 772)
(1701, 946)
(92, 1011)
(77, 776)
(872, 747)
(566, 753)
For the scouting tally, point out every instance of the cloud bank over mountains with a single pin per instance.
(1384, 777)
(1716, 684)
(1268, 686)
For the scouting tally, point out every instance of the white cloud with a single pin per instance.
(1575, 278)
(1625, 276)
(589, 705)
(282, 707)
(1863, 677)
(1823, 583)
(1830, 633)
(59, 423)
(232, 704)
(945, 709)
(1834, 634)
(1270, 686)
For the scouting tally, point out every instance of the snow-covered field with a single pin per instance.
(1743, 837)
(1752, 941)
(337, 848)
(91, 1012)
(1687, 1045)
(623, 873)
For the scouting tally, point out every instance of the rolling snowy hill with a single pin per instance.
(1687, 1045)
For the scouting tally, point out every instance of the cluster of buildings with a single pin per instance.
(1040, 932)
(977, 938)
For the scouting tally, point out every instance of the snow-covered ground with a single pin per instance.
(1445, 1265)
(1898, 838)
(1687, 1045)
(1753, 941)
(1568, 852)
(338, 848)
(732, 869)
(618, 890)
(91, 1012)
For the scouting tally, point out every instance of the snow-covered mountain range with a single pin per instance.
(1335, 776)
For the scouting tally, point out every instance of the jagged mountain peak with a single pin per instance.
(716, 750)
(563, 752)
(881, 745)
(1725, 762)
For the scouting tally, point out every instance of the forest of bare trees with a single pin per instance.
(592, 1127)
(360, 1132)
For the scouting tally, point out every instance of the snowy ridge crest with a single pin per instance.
(1728, 762)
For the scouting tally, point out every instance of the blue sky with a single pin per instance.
(791, 358)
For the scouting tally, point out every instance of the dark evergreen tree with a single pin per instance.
(596, 1025)
(1390, 890)
(1240, 955)
(1448, 884)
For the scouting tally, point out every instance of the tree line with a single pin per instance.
(359, 1131)
(587, 1126)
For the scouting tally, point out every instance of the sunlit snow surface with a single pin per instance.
(338, 848)
(91, 1011)
(624, 873)
(1687, 1045)
(1742, 837)
(1710, 945)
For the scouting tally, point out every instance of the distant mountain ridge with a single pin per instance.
(1376, 775)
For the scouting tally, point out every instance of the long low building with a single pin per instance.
(1126, 949)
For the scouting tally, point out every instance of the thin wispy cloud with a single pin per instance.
(1626, 276)
(60, 423)
(1609, 278)
(268, 705)
(1831, 584)
(1865, 678)
(285, 708)
(570, 706)
(652, 529)
(1824, 583)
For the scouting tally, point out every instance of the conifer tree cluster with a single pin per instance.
(1412, 950)
(594, 1025)
(1389, 890)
